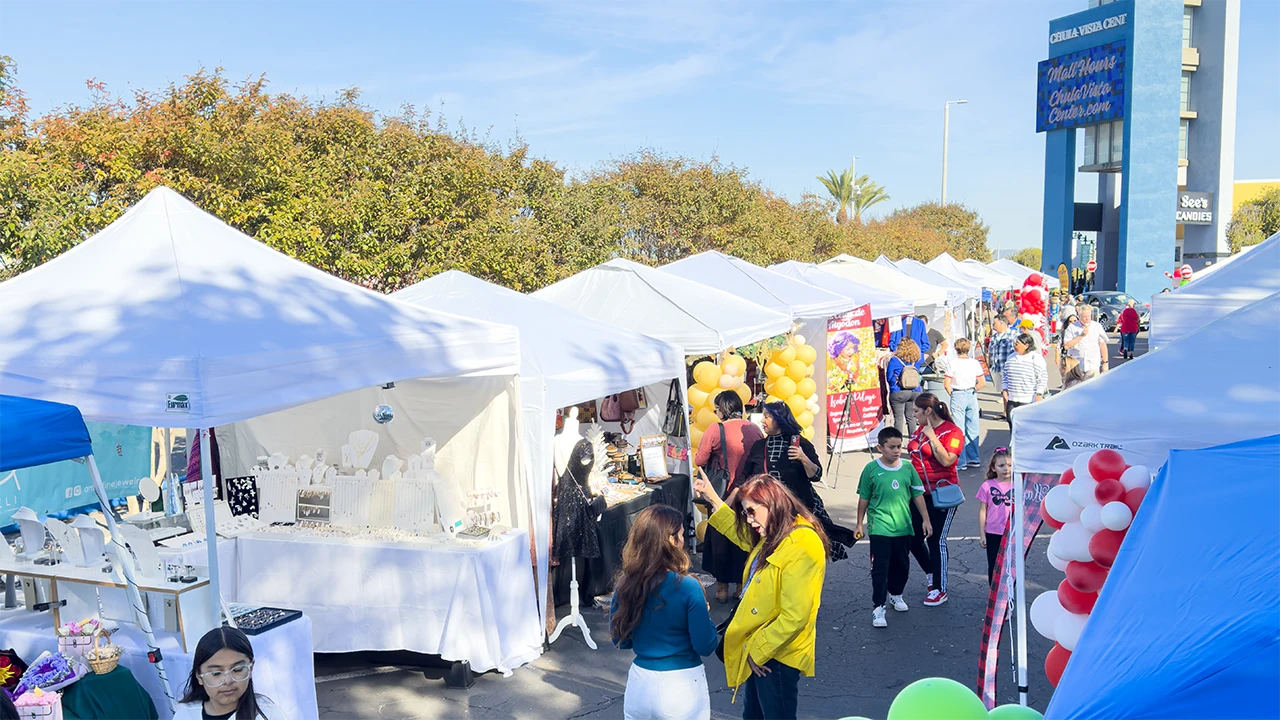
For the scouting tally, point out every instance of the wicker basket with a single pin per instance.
(103, 658)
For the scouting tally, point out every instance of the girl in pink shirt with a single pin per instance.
(996, 496)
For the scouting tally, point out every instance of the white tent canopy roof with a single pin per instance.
(579, 358)
(752, 282)
(1018, 270)
(884, 303)
(1254, 276)
(920, 271)
(891, 279)
(168, 300)
(698, 318)
(1181, 396)
(974, 273)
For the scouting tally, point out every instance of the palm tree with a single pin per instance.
(866, 194)
(841, 188)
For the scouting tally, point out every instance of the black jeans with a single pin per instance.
(890, 565)
(932, 554)
(774, 696)
(1009, 405)
(902, 402)
(993, 549)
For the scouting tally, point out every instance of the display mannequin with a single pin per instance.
(565, 441)
(578, 513)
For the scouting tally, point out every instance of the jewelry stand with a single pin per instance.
(574, 618)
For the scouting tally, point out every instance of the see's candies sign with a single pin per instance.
(1195, 208)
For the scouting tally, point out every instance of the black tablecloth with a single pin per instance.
(595, 576)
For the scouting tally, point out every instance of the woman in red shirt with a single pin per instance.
(935, 449)
(1130, 324)
(721, 557)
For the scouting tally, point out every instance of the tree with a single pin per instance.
(1028, 257)
(959, 228)
(865, 195)
(1255, 220)
(841, 189)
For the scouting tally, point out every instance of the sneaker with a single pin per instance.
(877, 618)
(935, 598)
(898, 603)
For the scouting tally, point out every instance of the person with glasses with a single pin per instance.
(661, 612)
(996, 496)
(221, 683)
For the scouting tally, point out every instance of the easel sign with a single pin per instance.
(653, 456)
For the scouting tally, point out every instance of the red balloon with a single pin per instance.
(1106, 465)
(1134, 497)
(1108, 491)
(1105, 545)
(1067, 477)
(1087, 577)
(1047, 518)
(1074, 601)
(1055, 663)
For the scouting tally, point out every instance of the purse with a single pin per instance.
(944, 497)
(719, 476)
(620, 408)
(674, 422)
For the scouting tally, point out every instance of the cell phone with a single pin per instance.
(795, 441)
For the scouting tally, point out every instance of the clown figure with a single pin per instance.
(1033, 306)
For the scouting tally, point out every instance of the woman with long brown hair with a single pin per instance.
(771, 640)
(661, 613)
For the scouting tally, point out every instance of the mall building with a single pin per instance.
(1140, 94)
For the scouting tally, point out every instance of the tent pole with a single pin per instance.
(210, 529)
(126, 567)
(1019, 578)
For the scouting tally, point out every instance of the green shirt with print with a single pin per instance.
(889, 494)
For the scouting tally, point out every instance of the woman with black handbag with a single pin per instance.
(935, 449)
(720, 453)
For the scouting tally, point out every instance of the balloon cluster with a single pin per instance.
(710, 380)
(946, 699)
(1032, 306)
(1091, 508)
(790, 380)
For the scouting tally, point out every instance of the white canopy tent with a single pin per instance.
(1254, 276)
(1177, 397)
(974, 273)
(170, 318)
(698, 318)
(920, 271)
(1224, 262)
(565, 359)
(998, 276)
(924, 294)
(884, 303)
(1018, 270)
(752, 282)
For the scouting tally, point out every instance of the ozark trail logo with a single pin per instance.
(177, 403)
(1057, 443)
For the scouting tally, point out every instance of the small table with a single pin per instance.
(116, 694)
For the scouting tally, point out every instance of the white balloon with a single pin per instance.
(1081, 466)
(1091, 518)
(1067, 628)
(1081, 491)
(1116, 516)
(1136, 477)
(1058, 563)
(1045, 612)
(1058, 503)
(1071, 543)
(797, 340)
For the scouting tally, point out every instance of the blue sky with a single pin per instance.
(785, 90)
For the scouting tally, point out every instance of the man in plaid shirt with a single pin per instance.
(1000, 347)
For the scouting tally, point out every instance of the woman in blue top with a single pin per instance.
(662, 613)
(901, 398)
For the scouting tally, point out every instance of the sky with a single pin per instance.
(785, 90)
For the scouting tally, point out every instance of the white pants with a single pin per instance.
(667, 694)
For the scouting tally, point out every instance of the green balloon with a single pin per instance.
(937, 699)
(855, 717)
(1015, 712)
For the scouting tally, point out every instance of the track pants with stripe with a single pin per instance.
(932, 553)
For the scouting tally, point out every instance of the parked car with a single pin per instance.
(1108, 305)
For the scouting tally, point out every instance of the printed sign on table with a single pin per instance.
(853, 380)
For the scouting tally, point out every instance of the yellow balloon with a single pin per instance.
(796, 403)
(805, 419)
(806, 388)
(809, 371)
(744, 392)
(806, 354)
(705, 418)
(784, 387)
(774, 370)
(772, 399)
(697, 397)
(768, 385)
(807, 433)
(706, 374)
(796, 370)
(695, 436)
(734, 365)
(785, 356)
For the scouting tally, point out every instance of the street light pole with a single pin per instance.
(946, 131)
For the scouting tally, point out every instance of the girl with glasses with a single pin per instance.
(221, 682)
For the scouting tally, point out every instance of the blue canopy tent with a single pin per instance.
(1187, 625)
(37, 432)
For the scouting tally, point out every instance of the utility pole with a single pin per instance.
(946, 131)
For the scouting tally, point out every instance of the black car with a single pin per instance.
(1108, 305)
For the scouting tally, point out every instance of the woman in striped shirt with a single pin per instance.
(1025, 377)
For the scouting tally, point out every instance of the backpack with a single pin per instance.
(910, 377)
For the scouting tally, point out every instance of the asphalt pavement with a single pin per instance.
(859, 668)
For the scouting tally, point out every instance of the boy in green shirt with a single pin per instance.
(888, 486)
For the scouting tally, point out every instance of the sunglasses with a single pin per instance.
(751, 512)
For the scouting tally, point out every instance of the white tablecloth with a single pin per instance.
(196, 556)
(283, 669)
(461, 603)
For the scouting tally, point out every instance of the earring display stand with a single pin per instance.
(574, 618)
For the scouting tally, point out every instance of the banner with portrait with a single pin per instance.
(853, 381)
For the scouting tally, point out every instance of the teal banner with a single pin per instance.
(123, 454)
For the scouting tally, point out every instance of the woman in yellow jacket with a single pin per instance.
(771, 640)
